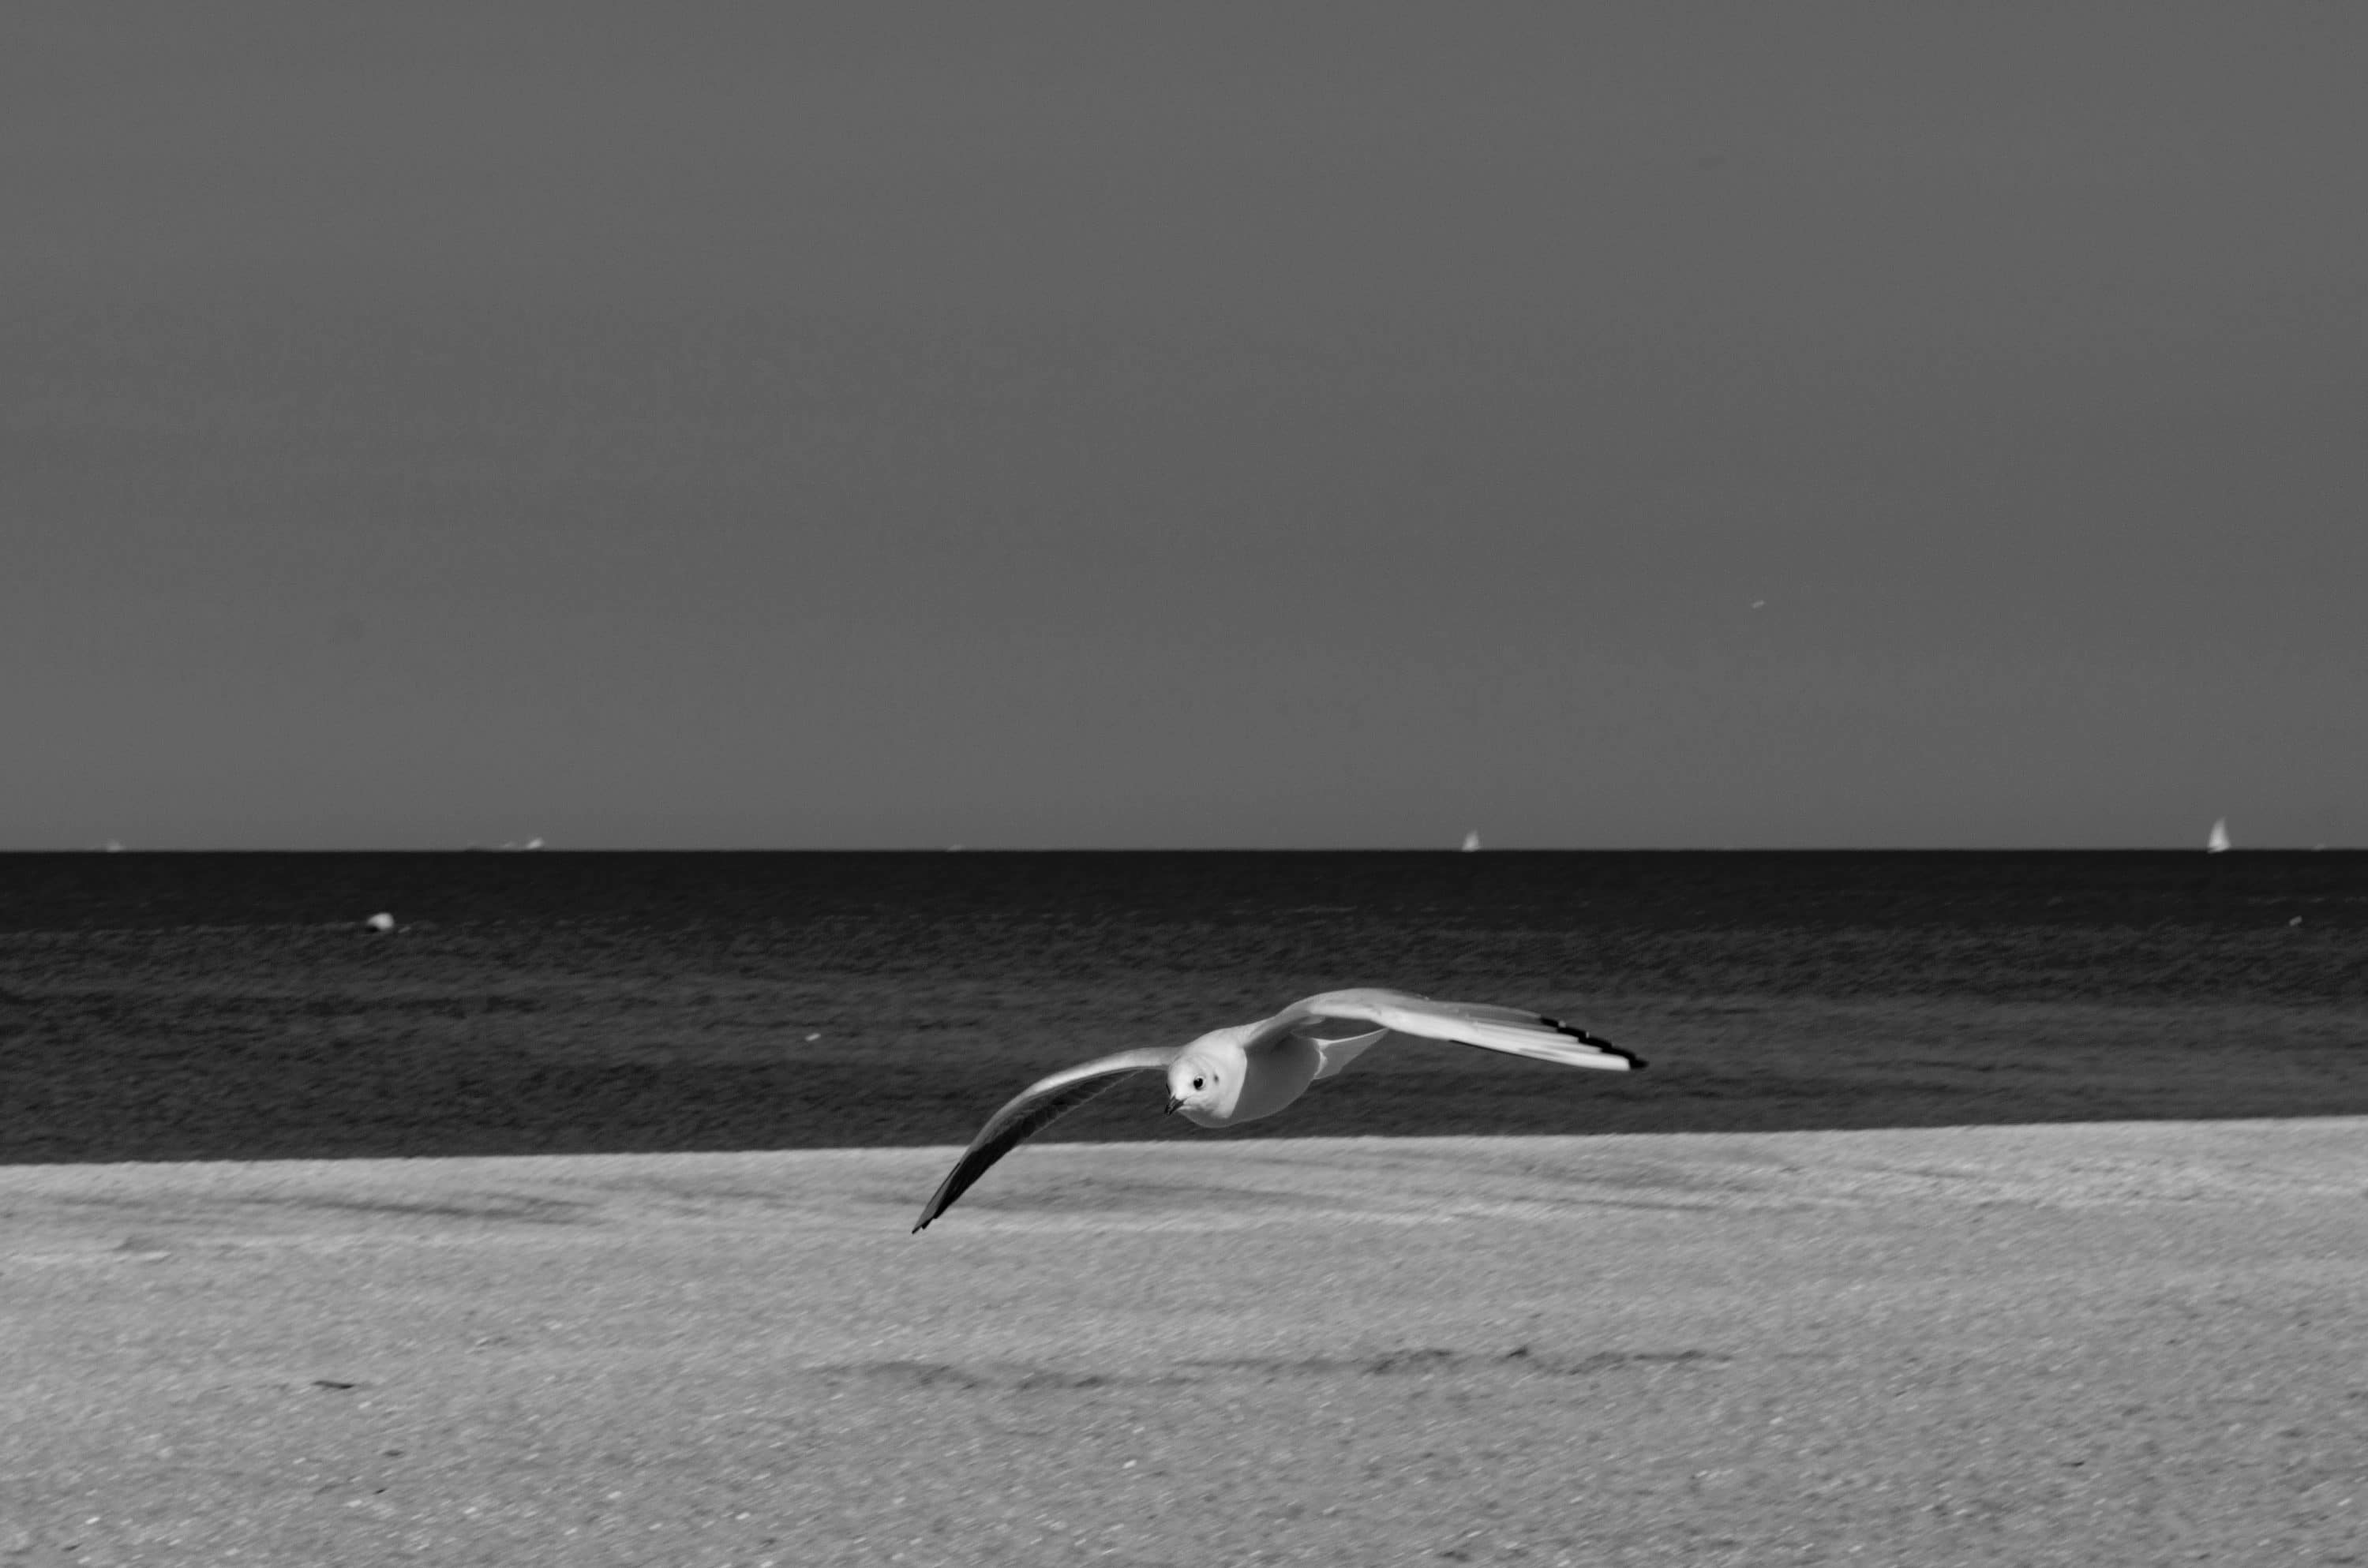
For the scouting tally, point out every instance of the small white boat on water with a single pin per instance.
(1472, 841)
(2219, 840)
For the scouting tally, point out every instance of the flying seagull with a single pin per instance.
(1249, 1071)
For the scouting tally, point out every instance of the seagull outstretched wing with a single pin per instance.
(1507, 1029)
(1032, 1108)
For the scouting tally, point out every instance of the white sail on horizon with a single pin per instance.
(2219, 840)
(1472, 841)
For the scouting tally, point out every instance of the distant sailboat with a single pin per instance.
(2219, 840)
(1472, 841)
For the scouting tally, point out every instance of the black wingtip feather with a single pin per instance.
(1635, 1062)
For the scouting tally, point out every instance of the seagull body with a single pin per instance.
(1248, 1071)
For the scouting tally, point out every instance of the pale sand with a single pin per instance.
(2084, 1344)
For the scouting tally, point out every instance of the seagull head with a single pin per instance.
(1204, 1087)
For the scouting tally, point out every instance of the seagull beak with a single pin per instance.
(1173, 1103)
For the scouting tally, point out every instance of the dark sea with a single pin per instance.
(176, 1007)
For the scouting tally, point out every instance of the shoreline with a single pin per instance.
(2089, 1342)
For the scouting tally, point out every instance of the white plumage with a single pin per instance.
(1249, 1071)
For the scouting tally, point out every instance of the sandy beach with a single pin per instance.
(2081, 1344)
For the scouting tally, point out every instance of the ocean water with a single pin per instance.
(236, 1007)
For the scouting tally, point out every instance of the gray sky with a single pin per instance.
(1264, 425)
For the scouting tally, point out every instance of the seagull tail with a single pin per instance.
(1338, 1054)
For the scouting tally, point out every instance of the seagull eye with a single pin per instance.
(1196, 1083)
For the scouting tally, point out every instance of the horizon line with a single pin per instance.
(1193, 849)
